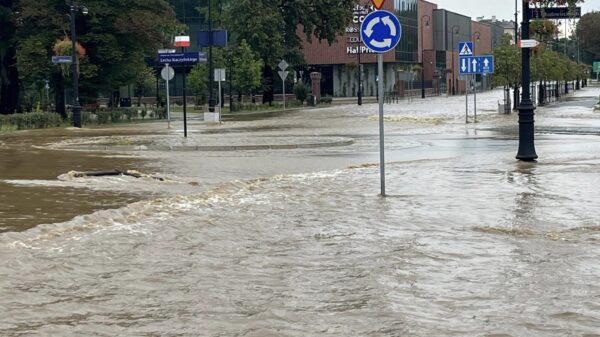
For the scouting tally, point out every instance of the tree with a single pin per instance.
(9, 75)
(588, 30)
(508, 65)
(143, 82)
(247, 69)
(197, 81)
(117, 35)
(271, 28)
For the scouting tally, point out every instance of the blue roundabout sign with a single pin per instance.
(381, 31)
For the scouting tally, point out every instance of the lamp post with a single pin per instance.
(75, 63)
(526, 150)
(423, 54)
(453, 82)
(360, 92)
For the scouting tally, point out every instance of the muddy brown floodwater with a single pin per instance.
(275, 228)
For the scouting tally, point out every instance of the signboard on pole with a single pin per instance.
(219, 75)
(182, 58)
(378, 3)
(528, 43)
(473, 65)
(465, 48)
(596, 67)
(167, 73)
(62, 59)
(381, 32)
(550, 13)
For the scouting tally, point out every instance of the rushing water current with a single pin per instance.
(468, 243)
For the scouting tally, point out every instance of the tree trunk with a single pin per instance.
(59, 94)
(9, 81)
(267, 85)
(516, 99)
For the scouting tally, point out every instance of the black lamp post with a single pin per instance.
(75, 63)
(360, 93)
(423, 54)
(526, 150)
(453, 82)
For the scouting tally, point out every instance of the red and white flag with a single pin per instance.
(182, 41)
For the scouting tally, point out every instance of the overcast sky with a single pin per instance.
(502, 9)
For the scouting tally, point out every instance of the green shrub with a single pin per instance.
(144, 113)
(103, 117)
(32, 120)
(301, 91)
(116, 115)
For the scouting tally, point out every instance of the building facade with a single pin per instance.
(426, 55)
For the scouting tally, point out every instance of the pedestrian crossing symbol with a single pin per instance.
(465, 48)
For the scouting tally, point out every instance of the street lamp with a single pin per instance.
(422, 54)
(75, 63)
(526, 150)
(453, 82)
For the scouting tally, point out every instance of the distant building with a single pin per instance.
(430, 38)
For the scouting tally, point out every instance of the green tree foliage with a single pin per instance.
(271, 27)
(115, 34)
(198, 80)
(588, 30)
(508, 63)
(247, 69)
(144, 82)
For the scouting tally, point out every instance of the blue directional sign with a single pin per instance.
(182, 58)
(465, 48)
(472, 65)
(381, 31)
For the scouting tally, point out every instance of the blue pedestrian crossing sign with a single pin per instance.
(465, 48)
(474, 65)
(381, 31)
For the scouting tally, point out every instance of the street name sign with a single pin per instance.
(167, 51)
(378, 3)
(381, 31)
(554, 13)
(528, 43)
(465, 48)
(475, 65)
(62, 59)
(182, 58)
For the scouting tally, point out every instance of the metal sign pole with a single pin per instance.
(283, 83)
(475, 98)
(467, 99)
(381, 135)
(168, 100)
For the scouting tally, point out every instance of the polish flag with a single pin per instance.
(182, 41)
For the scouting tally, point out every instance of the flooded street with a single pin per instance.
(274, 227)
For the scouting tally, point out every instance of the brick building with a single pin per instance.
(426, 55)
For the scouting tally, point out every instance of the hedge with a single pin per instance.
(32, 120)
